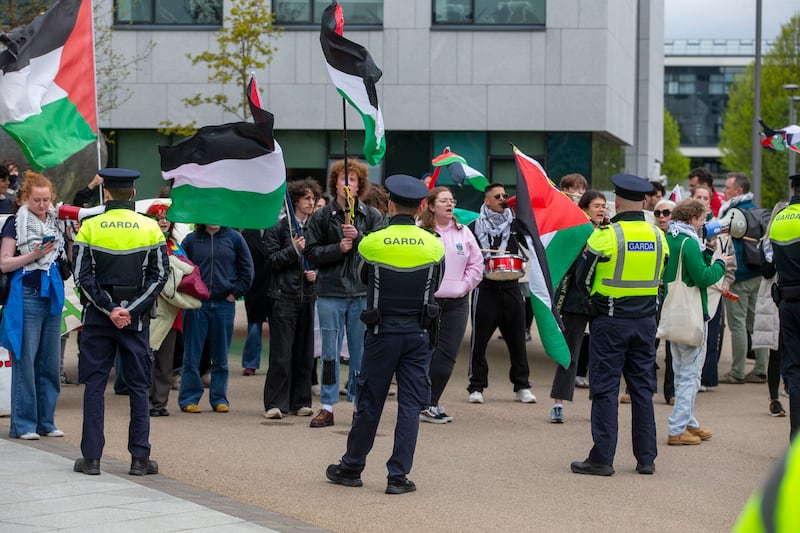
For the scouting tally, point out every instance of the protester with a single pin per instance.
(227, 270)
(688, 249)
(32, 245)
(121, 265)
(334, 233)
(463, 271)
(256, 300)
(8, 200)
(293, 291)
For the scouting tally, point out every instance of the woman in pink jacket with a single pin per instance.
(463, 271)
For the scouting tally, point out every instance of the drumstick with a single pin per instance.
(492, 251)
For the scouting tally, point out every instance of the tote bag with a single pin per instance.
(682, 311)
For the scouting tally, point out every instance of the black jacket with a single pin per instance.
(338, 273)
(287, 267)
(256, 302)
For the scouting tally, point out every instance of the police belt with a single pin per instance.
(786, 293)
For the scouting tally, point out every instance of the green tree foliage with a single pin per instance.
(243, 45)
(781, 65)
(675, 165)
(21, 12)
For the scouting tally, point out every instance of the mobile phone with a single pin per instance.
(46, 239)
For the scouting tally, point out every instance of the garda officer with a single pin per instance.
(404, 264)
(622, 266)
(784, 234)
(121, 265)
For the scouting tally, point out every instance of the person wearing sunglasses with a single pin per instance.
(663, 213)
(498, 303)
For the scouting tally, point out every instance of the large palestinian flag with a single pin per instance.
(558, 230)
(47, 86)
(354, 73)
(231, 175)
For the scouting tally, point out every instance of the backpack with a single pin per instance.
(757, 222)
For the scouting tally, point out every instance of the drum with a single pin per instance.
(504, 267)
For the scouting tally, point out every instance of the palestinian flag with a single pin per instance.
(354, 74)
(47, 86)
(231, 175)
(558, 230)
(460, 172)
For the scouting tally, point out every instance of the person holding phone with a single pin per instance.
(31, 328)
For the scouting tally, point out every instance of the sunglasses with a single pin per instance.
(659, 213)
(499, 196)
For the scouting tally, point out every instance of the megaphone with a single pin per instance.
(734, 222)
(73, 212)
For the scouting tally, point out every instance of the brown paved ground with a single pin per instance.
(500, 466)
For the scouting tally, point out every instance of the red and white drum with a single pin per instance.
(504, 267)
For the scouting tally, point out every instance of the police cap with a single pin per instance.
(631, 187)
(795, 180)
(118, 178)
(406, 190)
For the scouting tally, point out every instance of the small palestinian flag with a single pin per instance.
(47, 86)
(354, 73)
(460, 172)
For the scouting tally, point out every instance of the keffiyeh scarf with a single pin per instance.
(493, 229)
(31, 230)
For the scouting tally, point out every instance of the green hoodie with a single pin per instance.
(698, 271)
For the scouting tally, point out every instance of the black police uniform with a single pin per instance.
(404, 265)
(784, 236)
(121, 261)
(623, 263)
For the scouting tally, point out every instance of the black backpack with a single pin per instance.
(757, 222)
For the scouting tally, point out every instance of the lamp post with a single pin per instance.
(791, 88)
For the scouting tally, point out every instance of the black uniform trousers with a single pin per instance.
(402, 348)
(291, 356)
(98, 346)
(790, 335)
(498, 306)
(617, 347)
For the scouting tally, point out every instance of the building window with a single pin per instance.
(489, 12)
(168, 12)
(309, 12)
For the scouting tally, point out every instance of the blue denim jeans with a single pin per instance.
(335, 316)
(212, 323)
(35, 376)
(687, 362)
(251, 353)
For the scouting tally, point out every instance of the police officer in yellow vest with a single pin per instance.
(784, 234)
(403, 267)
(622, 267)
(121, 265)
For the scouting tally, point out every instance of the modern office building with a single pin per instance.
(576, 84)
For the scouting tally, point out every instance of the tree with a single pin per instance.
(781, 65)
(675, 165)
(243, 45)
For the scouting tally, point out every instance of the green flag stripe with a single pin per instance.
(224, 207)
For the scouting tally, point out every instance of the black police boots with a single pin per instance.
(141, 466)
(399, 485)
(90, 467)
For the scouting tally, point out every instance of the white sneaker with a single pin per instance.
(315, 390)
(55, 433)
(476, 397)
(273, 413)
(525, 396)
(305, 411)
(441, 414)
(581, 382)
(431, 415)
(29, 436)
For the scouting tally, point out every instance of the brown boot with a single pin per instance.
(704, 434)
(323, 419)
(683, 438)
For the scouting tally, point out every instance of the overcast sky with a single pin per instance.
(725, 19)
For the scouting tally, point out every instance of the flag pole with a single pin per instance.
(96, 105)
(351, 204)
(294, 226)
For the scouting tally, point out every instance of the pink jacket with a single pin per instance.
(463, 262)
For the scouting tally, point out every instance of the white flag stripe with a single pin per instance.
(353, 87)
(256, 175)
(24, 92)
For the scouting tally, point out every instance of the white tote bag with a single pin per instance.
(682, 311)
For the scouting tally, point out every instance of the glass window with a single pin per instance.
(309, 12)
(489, 12)
(169, 12)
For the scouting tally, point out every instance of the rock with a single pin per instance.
(69, 177)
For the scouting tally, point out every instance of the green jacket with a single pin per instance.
(698, 271)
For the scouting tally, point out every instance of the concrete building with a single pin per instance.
(576, 84)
